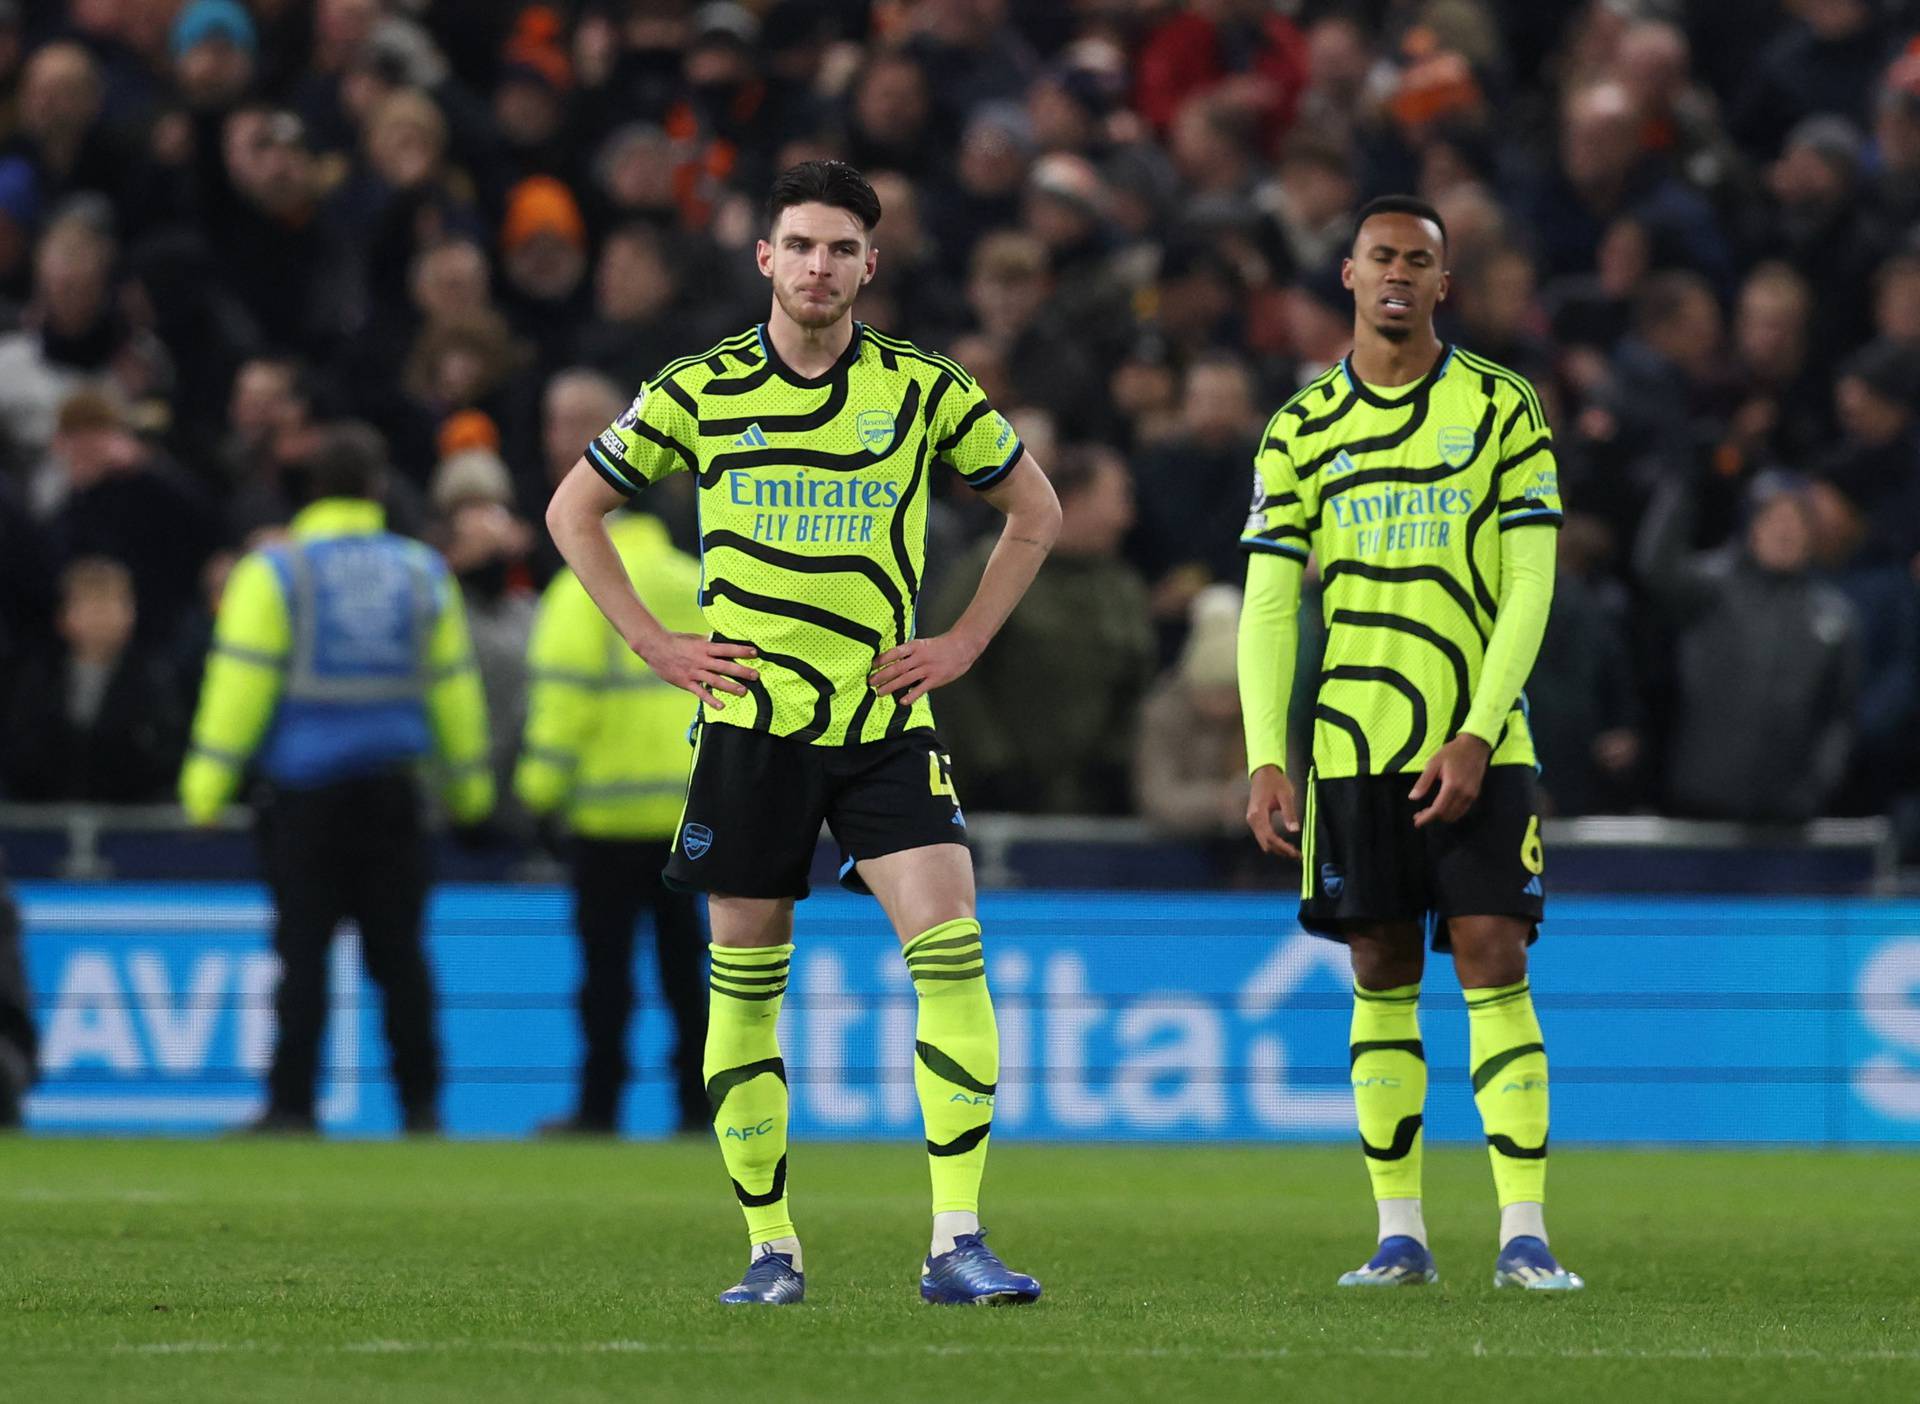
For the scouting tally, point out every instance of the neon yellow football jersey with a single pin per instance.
(1402, 493)
(812, 495)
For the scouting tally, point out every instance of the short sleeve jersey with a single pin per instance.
(812, 498)
(1402, 494)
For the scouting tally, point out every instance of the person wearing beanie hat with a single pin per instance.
(529, 100)
(466, 430)
(470, 475)
(206, 20)
(214, 49)
(544, 242)
(541, 205)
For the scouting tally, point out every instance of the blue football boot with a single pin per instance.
(1399, 1261)
(1527, 1262)
(973, 1275)
(770, 1281)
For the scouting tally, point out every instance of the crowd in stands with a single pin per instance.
(478, 225)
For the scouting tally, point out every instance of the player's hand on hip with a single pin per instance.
(1457, 768)
(918, 666)
(701, 665)
(1273, 793)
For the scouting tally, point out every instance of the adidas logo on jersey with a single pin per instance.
(753, 438)
(1533, 888)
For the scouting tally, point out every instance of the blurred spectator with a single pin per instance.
(970, 51)
(1766, 661)
(1582, 702)
(1191, 491)
(1826, 60)
(276, 252)
(1074, 105)
(62, 132)
(1065, 206)
(1009, 290)
(1873, 573)
(1877, 461)
(1240, 50)
(214, 45)
(1214, 144)
(1590, 312)
(1782, 418)
(72, 331)
(913, 293)
(1190, 763)
(1308, 205)
(463, 363)
(1496, 302)
(543, 249)
(1654, 413)
(892, 125)
(1320, 324)
(530, 97)
(100, 719)
(639, 323)
(125, 500)
(449, 280)
(579, 404)
(1073, 661)
(270, 430)
(403, 197)
(634, 178)
(1818, 222)
(1683, 124)
(486, 545)
(990, 171)
(1604, 173)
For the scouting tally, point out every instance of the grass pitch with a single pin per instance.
(290, 1272)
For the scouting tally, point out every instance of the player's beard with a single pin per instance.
(1392, 331)
(814, 316)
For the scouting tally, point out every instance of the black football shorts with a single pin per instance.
(1363, 863)
(755, 804)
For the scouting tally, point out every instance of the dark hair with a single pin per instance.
(350, 461)
(1077, 467)
(1399, 204)
(824, 183)
(1663, 296)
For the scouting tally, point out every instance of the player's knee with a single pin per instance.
(1488, 952)
(1381, 963)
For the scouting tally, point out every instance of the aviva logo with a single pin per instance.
(755, 437)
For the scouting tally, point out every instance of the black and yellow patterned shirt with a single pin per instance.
(1402, 494)
(813, 510)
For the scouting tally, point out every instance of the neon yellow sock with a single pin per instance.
(747, 1081)
(956, 1066)
(1510, 1088)
(1389, 1074)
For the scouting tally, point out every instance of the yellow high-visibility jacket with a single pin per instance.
(606, 738)
(264, 674)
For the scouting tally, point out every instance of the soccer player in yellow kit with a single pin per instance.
(1422, 478)
(812, 440)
